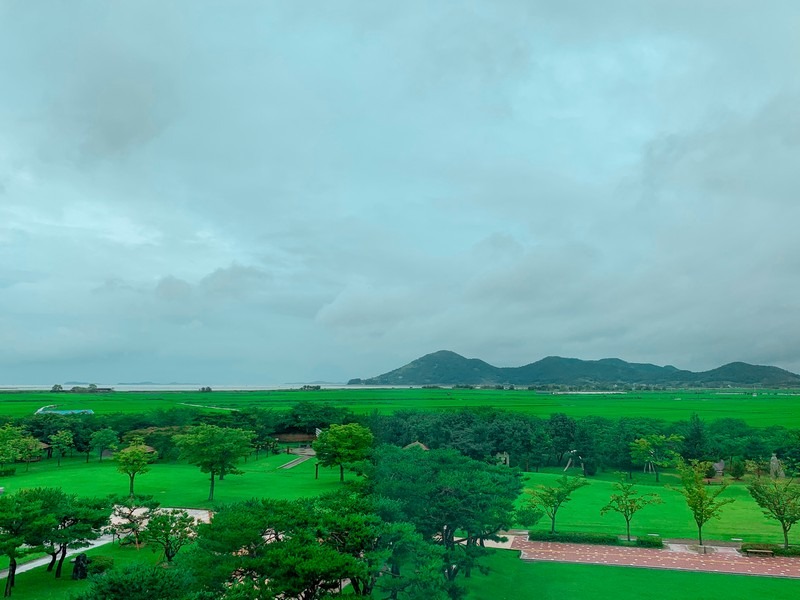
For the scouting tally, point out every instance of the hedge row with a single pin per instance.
(604, 539)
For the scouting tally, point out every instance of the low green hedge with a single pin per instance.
(603, 539)
(7, 471)
(649, 542)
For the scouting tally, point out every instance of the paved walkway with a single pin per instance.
(200, 516)
(674, 556)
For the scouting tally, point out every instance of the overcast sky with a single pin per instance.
(266, 192)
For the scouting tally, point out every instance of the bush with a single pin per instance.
(8, 471)
(589, 468)
(737, 469)
(100, 564)
(574, 537)
(650, 542)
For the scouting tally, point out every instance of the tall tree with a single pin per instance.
(562, 434)
(452, 500)
(61, 441)
(9, 443)
(627, 501)
(170, 530)
(22, 524)
(550, 498)
(216, 450)
(694, 444)
(656, 451)
(703, 500)
(134, 460)
(77, 521)
(130, 515)
(28, 449)
(104, 439)
(342, 444)
(780, 500)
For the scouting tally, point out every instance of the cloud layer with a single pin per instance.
(270, 192)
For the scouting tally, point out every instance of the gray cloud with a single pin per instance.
(270, 192)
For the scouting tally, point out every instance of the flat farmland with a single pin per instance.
(764, 409)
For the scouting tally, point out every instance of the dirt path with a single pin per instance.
(677, 557)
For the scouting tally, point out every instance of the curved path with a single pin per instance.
(676, 556)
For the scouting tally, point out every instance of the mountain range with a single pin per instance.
(448, 368)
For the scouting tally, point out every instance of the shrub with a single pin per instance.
(575, 537)
(100, 564)
(8, 471)
(589, 468)
(650, 542)
(737, 469)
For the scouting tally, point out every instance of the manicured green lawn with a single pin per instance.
(179, 484)
(768, 408)
(672, 519)
(513, 579)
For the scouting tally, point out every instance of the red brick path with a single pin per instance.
(724, 560)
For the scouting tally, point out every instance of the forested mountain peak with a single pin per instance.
(445, 367)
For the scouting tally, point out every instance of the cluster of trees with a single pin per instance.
(48, 520)
(592, 442)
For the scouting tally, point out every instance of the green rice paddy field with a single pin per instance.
(762, 410)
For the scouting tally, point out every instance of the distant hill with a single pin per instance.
(448, 368)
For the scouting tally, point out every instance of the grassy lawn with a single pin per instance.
(512, 579)
(179, 484)
(768, 408)
(672, 519)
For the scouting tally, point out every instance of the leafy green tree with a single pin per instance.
(267, 549)
(342, 444)
(57, 388)
(10, 437)
(452, 500)
(737, 469)
(780, 500)
(134, 460)
(170, 530)
(550, 498)
(22, 525)
(703, 500)
(61, 441)
(130, 515)
(76, 521)
(348, 522)
(138, 581)
(656, 450)
(561, 429)
(627, 501)
(694, 445)
(104, 439)
(216, 450)
(28, 448)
